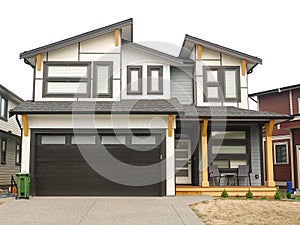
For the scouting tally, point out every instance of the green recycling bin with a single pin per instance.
(23, 183)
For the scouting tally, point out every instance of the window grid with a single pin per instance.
(281, 153)
(222, 84)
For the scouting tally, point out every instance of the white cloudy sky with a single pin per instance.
(267, 29)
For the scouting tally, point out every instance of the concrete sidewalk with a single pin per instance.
(100, 210)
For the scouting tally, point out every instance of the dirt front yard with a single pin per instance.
(248, 212)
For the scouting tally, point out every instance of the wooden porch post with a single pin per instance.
(204, 182)
(269, 154)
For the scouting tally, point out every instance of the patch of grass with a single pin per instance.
(278, 195)
(288, 195)
(224, 194)
(249, 194)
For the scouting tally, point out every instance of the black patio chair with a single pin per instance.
(243, 171)
(214, 173)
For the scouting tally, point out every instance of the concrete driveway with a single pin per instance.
(100, 210)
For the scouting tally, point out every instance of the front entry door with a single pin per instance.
(183, 161)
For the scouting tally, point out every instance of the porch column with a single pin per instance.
(204, 182)
(269, 154)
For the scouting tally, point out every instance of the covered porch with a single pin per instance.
(228, 145)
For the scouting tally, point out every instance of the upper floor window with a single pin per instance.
(134, 80)
(3, 108)
(222, 83)
(155, 80)
(66, 79)
(103, 79)
(3, 151)
(280, 150)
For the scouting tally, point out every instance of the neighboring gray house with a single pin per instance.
(10, 137)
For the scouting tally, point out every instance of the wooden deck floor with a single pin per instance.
(258, 191)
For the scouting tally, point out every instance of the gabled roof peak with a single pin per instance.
(216, 47)
(77, 38)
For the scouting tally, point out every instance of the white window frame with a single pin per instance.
(287, 153)
(96, 92)
(5, 100)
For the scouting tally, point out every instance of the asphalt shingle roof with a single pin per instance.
(142, 106)
(160, 106)
(229, 112)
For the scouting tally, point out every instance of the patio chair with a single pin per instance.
(243, 171)
(214, 173)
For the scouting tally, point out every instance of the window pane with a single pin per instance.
(212, 76)
(221, 163)
(143, 140)
(281, 153)
(181, 173)
(3, 108)
(113, 140)
(236, 163)
(228, 149)
(67, 87)
(228, 134)
(102, 79)
(67, 71)
(134, 86)
(181, 154)
(83, 139)
(154, 80)
(53, 139)
(212, 92)
(3, 145)
(230, 84)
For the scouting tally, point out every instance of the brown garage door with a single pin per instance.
(69, 165)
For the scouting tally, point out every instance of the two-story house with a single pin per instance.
(113, 117)
(10, 137)
(286, 136)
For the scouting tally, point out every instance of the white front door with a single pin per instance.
(298, 151)
(183, 161)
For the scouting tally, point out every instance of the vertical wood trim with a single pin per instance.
(204, 182)
(39, 62)
(25, 125)
(170, 125)
(117, 37)
(244, 66)
(291, 151)
(269, 154)
(199, 52)
(291, 102)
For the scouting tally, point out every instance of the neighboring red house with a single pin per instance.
(286, 136)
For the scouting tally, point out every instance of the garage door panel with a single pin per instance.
(92, 187)
(62, 170)
(134, 154)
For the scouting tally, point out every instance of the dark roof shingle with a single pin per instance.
(160, 106)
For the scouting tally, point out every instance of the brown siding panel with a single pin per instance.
(277, 102)
(296, 95)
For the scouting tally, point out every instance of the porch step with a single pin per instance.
(258, 191)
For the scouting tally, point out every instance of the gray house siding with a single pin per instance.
(182, 84)
(10, 168)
